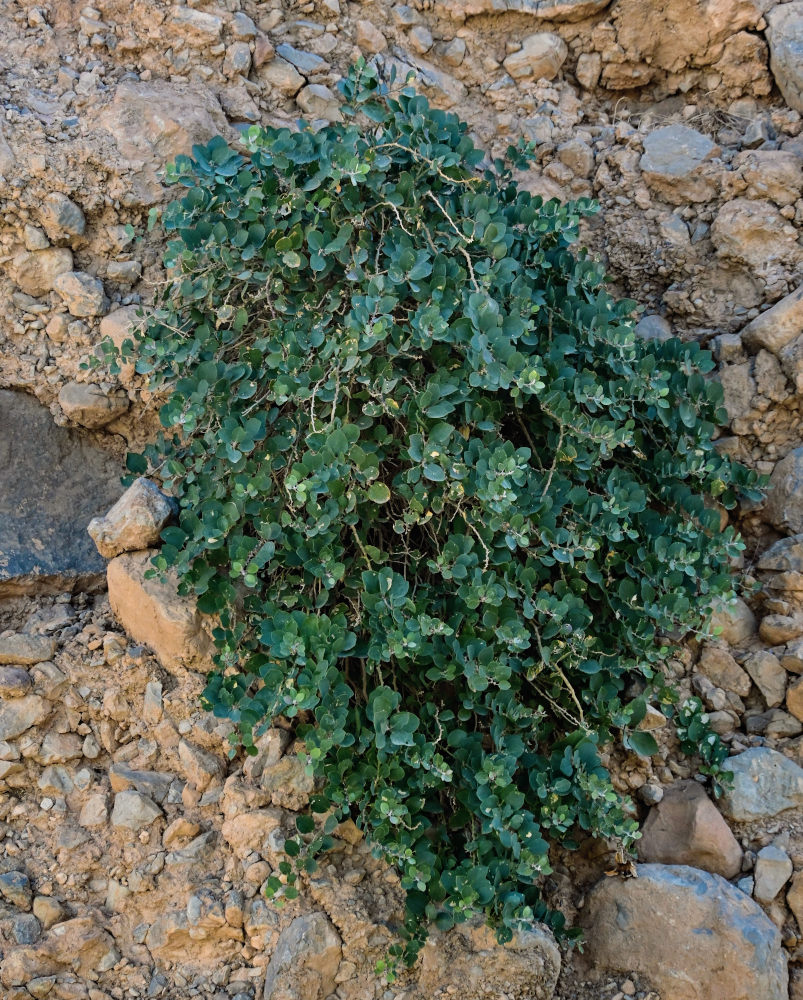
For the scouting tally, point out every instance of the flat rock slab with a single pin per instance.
(52, 483)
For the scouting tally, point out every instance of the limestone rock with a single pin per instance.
(776, 174)
(81, 293)
(785, 36)
(288, 783)
(134, 811)
(61, 218)
(778, 629)
(769, 676)
(794, 898)
(765, 783)
(722, 670)
(134, 522)
(25, 650)
(305, 960)
(785, 556)
(541, 56)
(468, 962)
(35, 272)
(548, 10)
(196, 26)
(247, 832)
(686, 828)
(318, 101)
(773, 870)
(784, 506)
(87, 404)
(794, 699)
(152, 612)
(200, 767)
(369, 38)
(777, 326)
(17, 715)
(692, 935)
(94, 811)
(755, 233)
(735, 621)
(677, 164)
(154, 784)
(52, 482)
(279, 74)
(81, 944)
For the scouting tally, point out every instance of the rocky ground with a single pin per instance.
(132, 851)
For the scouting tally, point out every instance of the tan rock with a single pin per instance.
(305, 960)
(18, 715)
(201, 768)
(775, 174)
(80, 944)
(152, 612)
(14, 682)
(288, 783)
(82, 293)
(794, 898)
(35, 273)
(756, 234)
(134, 522)
(25, 650)
(279, 74)
(722, 670)
(778, 629)
(679, 164)
(777, 326)
(248, 831)
(548, 10)
(540, 57)
(686, 828)
(769, 676)
(794, 699)
(734, 620)
(89, 405)
(369, 38)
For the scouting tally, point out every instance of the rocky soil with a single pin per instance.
(132, 849)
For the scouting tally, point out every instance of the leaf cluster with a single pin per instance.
(446, 508)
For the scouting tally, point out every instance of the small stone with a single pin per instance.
(289, 784)
(735, 621)
(35, 238)
(455, 52)
(769, 676)
(200, 767)
(765, 783)
(135, 522)
(781, 725)
(88, 405)
(36, 273)
(134, 811)
(94, 811)
(653, 327)
(369, 38)
(242, 26)
(589, 67)
(278, 74)
(773, 870)
(16, 888)
(26, 650)
(124, 272)
(26, 929)
(305, 62)
(794, 699)
(181, 829)
(238, 59)
(14, 682)
(541, 56)
(152, 707)
(48, 911)
(318, 101)
(778, 629)
(62, 219)
(82, 294)
(59, 748)
(786, 555)
(420, 39)
(263, 51)
(686, 828)
(196, 26)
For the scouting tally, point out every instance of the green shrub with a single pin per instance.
(449, 511)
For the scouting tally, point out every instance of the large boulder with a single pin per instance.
(691, 934)
(765, 783)
(152, 612)
(52, 483)
(785, 35)
(686, 828)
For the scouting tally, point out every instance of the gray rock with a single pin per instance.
(676, 164)
(26, 650)
(691, 934)
(318, 101)
(200, 767)
(734, 621)
(784, 506)
(19, 714)
(88, 405)
(541, 56)
(134, 522)
(62, 219)
(26, 929)
(785, 37)
(305, 62)
(785, 556)
(548, 10)
(14, 682)
(305, 960)
(52, 482)
(153, 784)
(765, 783)
(279, 74)
(653, 328)
(134, 811)
(16, 888)
(81, 293)
(773, 870)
